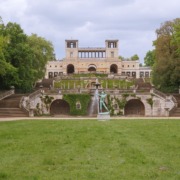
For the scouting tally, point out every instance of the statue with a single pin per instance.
(101, 101)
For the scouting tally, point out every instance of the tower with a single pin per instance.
(71, 49)
(111, 49)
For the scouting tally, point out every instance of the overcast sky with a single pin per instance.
(132, 22)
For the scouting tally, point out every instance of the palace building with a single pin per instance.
(90, 59)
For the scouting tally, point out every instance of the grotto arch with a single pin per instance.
(59, 107)
(134, 107)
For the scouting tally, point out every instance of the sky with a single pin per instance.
(132, 22)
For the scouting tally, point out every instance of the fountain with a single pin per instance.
(94, 101)
(98, 103)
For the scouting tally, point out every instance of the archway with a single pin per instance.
(92, 68)
(114, 69)
(134, 107)
(59, 106)
(70, 69)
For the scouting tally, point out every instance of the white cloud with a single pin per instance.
(133, 22)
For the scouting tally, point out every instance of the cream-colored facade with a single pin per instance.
(100, 60)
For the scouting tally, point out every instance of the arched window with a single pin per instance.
(78, 105)
(114, 69)
(92, 68)
(70, 69)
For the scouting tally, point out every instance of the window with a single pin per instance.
(78, 105)
(115, 106)
(112, 54)
(122, 65)
(71, 54)
(71, 45)
(55, 74)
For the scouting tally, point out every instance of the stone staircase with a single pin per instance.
(45, 83)
(144, 86)
(9, 107)
(176, 112)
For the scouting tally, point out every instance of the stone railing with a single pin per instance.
(173, 99)
(23, 104)
(35, 94)
(158, 93)
(170, 101)
(26, 102)
(6, 94)
(88, 91)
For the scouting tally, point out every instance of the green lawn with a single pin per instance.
(80, 150)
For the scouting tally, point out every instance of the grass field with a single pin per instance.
(80, 150)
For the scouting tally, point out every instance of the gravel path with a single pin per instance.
(79, 118)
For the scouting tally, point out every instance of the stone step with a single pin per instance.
(12, 112)
(177, 97)
(11, 101)
(176, 113)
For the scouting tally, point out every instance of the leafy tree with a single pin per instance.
(22, 58)
(42, 53)
(149, 58)
(166, 69)
(135, 57)
(8, 71)
(121, 57)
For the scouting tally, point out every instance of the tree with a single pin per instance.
(166, 69)
(23, 57)
(149, 58)
(121, 58)
(8, 73)
(135, 57)
(42, 53)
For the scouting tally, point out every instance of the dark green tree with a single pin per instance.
(121, 57)
(135, 57)
(149, 58)
(42, 53)
(166, 69)
(8, 73)
(26, 57)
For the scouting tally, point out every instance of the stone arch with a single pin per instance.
(92, 68)
(114, 69)
(70, 69)
(59, 107)
(134, 107)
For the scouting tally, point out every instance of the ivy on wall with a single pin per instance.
(150, 102)
(72, 99)
(45, 103)
(120, 102)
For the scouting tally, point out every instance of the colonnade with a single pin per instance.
(91, 54)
